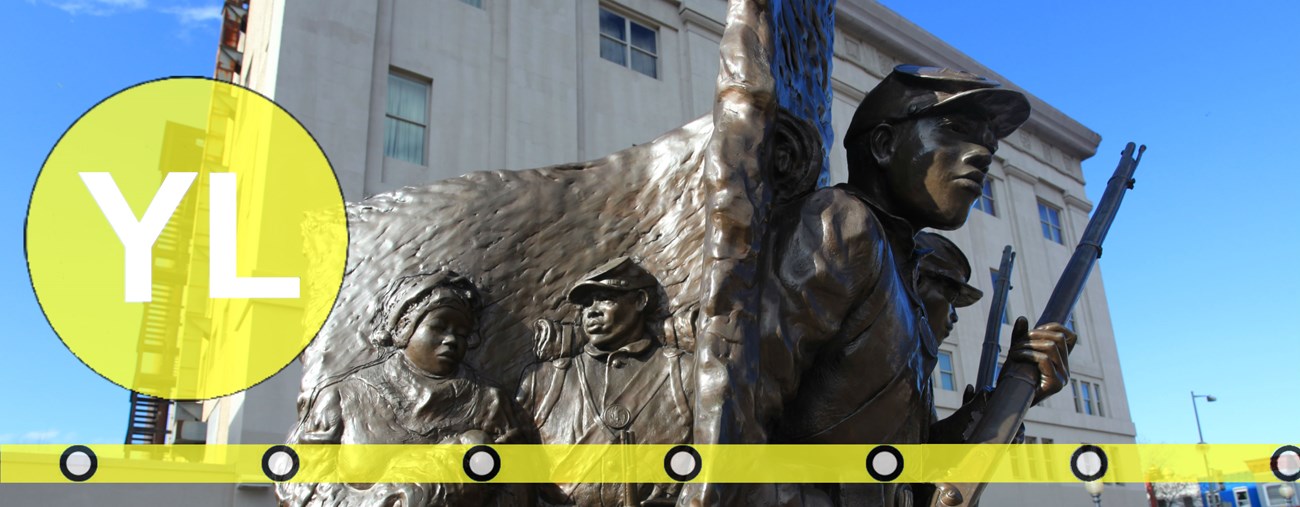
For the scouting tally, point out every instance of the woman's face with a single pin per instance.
(440, 341)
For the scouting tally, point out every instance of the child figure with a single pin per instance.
(419, 392)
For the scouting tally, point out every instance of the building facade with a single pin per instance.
(405, 92)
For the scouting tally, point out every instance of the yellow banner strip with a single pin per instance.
(1128, 463)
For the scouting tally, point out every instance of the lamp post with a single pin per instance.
(1196, 412)
(1094, 488)
(1205, 493)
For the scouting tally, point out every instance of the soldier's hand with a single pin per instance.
(1048, 348)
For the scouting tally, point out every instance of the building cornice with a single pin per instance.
(869, 21)
(1016, 172)
(692, 16)
(1078, 202)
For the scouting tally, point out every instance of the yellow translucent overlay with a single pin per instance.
(258, 205)
(1042, 463)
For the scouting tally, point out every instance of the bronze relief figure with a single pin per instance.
(623, 387)
(418, 392)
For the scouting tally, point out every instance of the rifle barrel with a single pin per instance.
(1015, 393)
(997, 314)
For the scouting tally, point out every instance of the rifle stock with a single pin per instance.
(1009, 402)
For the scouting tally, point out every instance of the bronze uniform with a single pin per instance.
(849, 356)
(593, 397)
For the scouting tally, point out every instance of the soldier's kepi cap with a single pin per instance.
(912, 91)
(621, 274)
(945, 260)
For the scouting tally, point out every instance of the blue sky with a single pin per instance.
(1200, 268)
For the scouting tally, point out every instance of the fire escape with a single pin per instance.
(166, 346)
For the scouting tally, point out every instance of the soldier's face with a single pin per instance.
(938, 167)
(613, 318)
(937, 294)
(440, 341)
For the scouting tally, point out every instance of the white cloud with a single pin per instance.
(39, 437)
(193, 15)
(97, 7)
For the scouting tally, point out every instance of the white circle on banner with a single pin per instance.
(481, 463)
(78, 463)
(884, 463)
(1088, 463)
(682, 463)
(1288, 463)
(280, 463)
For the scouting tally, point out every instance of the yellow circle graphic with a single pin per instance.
(186, 238)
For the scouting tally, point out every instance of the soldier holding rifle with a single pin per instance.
(848, 356)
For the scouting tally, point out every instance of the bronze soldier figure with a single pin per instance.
(624, 386)
(848, 359)
(943, 283)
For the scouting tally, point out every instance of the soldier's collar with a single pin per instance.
(632, 349)
(899, 232)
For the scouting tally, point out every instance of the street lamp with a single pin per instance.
(1197, 413)
(1094, 488)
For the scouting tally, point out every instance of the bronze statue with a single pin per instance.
(802, 306)
(419, 392)
(849, 355)
(623, 387)
(942, 283)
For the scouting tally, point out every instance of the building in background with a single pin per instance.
(405, 92)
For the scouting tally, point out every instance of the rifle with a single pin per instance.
(1008, 403)
(997, 314)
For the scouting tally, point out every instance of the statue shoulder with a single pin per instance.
(841, 212)
(538, 377)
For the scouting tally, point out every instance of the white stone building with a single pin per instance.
(404, 92)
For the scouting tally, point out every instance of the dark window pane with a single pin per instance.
(644, 38)
(613, 51)
(613, 25)
(987, 199)
(644, 63)
(947, 380)
(407, 99)
(404, 140)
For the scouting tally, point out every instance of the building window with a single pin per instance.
(1006, 315)
(1033, 461)
(407, 117)
(985, 201)
(1087, 398)
(475, 3)
(1273, 493)
(1050, 218)
(629, 43)
(947, 377)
